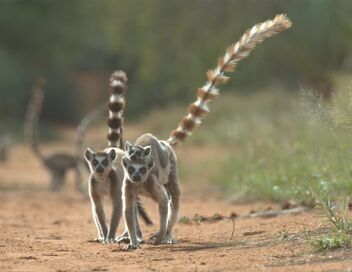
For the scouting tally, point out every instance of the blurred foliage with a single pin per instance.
(164, 46)
(266, 145)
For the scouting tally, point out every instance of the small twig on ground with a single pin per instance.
(197, 218)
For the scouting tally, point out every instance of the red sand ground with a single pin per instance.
(42, 231)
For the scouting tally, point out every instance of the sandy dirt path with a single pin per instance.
(43, 231)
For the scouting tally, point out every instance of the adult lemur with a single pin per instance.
(60, 162)
(106, 169)
(150, 164)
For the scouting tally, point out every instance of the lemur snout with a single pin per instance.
(100, 170)
(137, 178)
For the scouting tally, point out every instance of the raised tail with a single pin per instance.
(118, 87)
(32, 116)
(236, 52)
(143, 214)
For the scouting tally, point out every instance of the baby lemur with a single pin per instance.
(150, 164)
(106, 169)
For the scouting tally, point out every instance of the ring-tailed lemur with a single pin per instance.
(58, 163)
(150, 164)
(106, 169)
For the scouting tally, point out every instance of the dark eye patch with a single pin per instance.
(130, 152)
(95, 162)
(143, 170)
(131, 170)
(105, 162)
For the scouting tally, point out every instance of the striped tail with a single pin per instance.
(118, 87)
(32, 116)
(236, 52)
(83, 127)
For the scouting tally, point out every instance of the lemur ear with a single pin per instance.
(124, 161)
(88, 154)
(151, 163)
(147, 150)
(112, 154)
(127, 146)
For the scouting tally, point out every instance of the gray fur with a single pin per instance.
(106, 180)
(159, 182)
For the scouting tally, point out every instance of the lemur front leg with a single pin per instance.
(125, 238)
(99, 217)
(129, 199)
(115, 217)
(100, 232)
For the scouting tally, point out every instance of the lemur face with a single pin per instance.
(136, 152)
(137, 163)
(100, 162)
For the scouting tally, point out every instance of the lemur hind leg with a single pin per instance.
(161, 196)
(173, 189)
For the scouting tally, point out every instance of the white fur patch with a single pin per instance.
(116, 83)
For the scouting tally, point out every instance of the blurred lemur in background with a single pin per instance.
(58, 163)
(107, 172)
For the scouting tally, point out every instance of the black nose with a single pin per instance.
(100, 170)
(137, 178)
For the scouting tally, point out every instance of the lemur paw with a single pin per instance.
(131, 247)
(98, 240)
(170, 240)
(157, 239)
(126, 239)
(123, 239)
(110, 241)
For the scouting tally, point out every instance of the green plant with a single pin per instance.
(339, 234)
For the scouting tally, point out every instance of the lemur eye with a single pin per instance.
(130, 169)
(95, 162)
(130, 152)
(143, 170)
(105, 162)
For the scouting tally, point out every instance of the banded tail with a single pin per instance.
(32, 116)
(143, 214)
(236, 52)
(118, 87)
